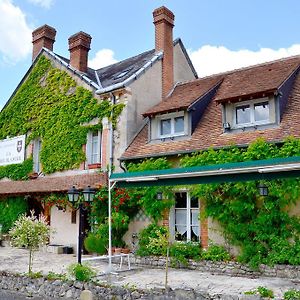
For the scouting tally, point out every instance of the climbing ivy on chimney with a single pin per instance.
(50, 105)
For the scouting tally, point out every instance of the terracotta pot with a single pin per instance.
(125, 250)
(112, 250)
(118, 250)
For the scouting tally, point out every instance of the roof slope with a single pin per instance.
(209, 131)
(184, 95)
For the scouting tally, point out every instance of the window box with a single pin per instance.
(94, 166)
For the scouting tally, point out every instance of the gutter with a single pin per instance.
(132, 77)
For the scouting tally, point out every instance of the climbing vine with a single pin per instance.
(49, 105)
(17, 171)
(262, 227)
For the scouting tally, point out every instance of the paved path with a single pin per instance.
(5, 295)
(15, 260)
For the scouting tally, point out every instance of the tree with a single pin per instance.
(31, 233)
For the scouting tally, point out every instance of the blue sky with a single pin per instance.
(218, 34)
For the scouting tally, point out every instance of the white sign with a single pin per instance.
(12, 151)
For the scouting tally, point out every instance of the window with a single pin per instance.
(252, 114)
(37, 145)
(186, 213)
(171, 126)
(94, 147)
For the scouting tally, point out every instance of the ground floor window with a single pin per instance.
(185, 217)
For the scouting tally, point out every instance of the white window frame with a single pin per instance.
(188, 224)
(36, 155)
(172, 117)
(89, 148)
(252, 118)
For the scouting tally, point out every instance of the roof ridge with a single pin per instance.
(241, 69)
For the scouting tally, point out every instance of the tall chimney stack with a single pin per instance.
(163, 20)
(43, 36)
(79, 46)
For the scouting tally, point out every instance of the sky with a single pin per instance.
(219, 35)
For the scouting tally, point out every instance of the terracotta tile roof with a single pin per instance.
(209, 131)
(255, 80)
(51, 184)
(184, 95)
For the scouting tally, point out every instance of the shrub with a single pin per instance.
(81, 272)
(262, 291)
(31, 233)
(56, 276)
(184, 251)
(152, 231)
(292, 295)
(215, 253)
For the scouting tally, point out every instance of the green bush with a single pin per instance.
(215, 253)
(56, 276)
(292, 295)
(10, 209)
(153, 231)
(96, 243)
(262, 291)
(81, 272)
(181, 252)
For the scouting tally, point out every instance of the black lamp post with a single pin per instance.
(263, 189)
(73, 195)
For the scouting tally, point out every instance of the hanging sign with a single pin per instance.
(12, 150)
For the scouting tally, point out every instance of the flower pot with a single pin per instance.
(125, 250)
(118, 250)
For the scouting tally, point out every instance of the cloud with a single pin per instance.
(15, 33)
(209, 60)
(103, 58)
(43, 3)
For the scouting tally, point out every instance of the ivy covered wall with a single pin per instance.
(51, 106)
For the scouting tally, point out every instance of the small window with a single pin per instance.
(94, 147)
(243, 114)
(170, 127)
(261, 111)
(252, 113)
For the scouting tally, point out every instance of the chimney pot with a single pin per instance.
(43, 36)
(79, 46)
(163, 20)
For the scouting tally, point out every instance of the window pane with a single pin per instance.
(243, 114)
(165, 127)
(195, 217)
(261, 111)
(180, 200)
(95, 148)
(194, 202)
(179, 124)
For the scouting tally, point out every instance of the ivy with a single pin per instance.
(51, 106)
(17, 171)
(260, 226)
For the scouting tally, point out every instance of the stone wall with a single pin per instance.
(72, 289)
(230, 268)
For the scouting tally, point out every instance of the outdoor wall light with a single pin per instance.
(73, 195)
(159, 196)
(263, 189)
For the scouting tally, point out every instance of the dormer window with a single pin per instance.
(252, 113)
(171, 126)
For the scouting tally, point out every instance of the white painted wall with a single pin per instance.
(66, 233)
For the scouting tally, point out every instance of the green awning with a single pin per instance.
(267, 169)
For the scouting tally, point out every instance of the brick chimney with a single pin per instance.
(43, 36)
(79, 46)
(163, 20)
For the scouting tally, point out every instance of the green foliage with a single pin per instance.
(81, 272)
(31, 233)
(151, 233)
(292, 295)
(51, 106)
(10, 209)
(215, 253)
(260, 226)
(262, 291)
(35, 275)
(184, 251)
(97, 242)
(56, 276)
(17, 171)
(147, 196)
